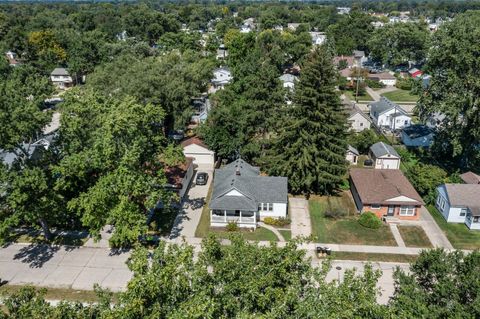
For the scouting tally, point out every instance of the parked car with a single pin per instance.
(201, 179)
(176, 135)
(368, 162)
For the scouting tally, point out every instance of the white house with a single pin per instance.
(357, 120)
(222, 52)
(460, 203)
(385, 78)
(385, 113)
(242, 196)
(61, 78)
(352, 155)
(221, 77)
(318, 38)
(384, 156)
(293, 26)
(288, 80)
(417, 135)
(202, 156)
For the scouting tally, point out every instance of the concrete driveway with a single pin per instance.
(64, 267)
(195, 198)
(301, 225)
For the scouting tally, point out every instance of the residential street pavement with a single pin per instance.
(64, 267)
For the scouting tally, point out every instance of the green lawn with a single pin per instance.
(58, 293)
(414, 236)
(344, 255)
(458, 234)
(346, 230)
(401, 96)
(351, 96)
(287, 234)
(259, 234)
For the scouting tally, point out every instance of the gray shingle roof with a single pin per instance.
(60, 71)
(416, 131)
(464, 195)
(249, 183)
(384, 105)
(353, 150)
(288, 78)
(381, 149)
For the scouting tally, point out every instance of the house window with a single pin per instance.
(406, 122)
(440, 202)
(265, 207)
(407, 210)
(375, 206)
(463, 212)
(475, 219)
(270, 207)
(361, 124)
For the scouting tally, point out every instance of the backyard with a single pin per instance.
(458, 234)
(351, 96)
(345, 230)
(401, 96)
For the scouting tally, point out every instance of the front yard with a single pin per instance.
(401, 96)
(414, 236)
(345, 230)
(203, 228)
(458, 234)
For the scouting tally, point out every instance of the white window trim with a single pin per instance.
(463, 211)
(407, 211)
(375, 206)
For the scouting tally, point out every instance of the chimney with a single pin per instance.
(237, 171)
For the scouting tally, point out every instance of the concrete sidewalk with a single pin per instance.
(64, 267)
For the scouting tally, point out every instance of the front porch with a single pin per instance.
(220, 218)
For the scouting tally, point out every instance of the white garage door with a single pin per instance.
(202, 159)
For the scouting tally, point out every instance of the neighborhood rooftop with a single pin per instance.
(383, 186)
(417, 130)
(59, 71)
(470, 178)
(385, 104)
(241, 177)
(381, 149)
(466, 195)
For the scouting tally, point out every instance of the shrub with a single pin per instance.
(370, 220)
(374, 84)
(276, 221)
(232, 226)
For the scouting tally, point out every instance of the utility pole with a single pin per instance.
(394, 120)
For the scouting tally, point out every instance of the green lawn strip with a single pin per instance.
(458, 234)
(346, 230)
(401, 96)
(344, 255)
(260, 234)
(204, 224)
(351, 96)
(414, 236)
(287, 234)
(58, 293)
(70, 239)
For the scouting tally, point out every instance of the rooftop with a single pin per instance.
(384, 105)
(60, 72)
(245, 179)
(470, 178)
(416, 131)
(464, 195)
(379, 186)
(381, 149)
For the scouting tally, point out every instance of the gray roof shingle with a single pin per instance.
(381, 149)
(464, 195)
(254, 187)
(384, 105)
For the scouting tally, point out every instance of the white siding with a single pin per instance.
(387, 163)
(186, 181)
(358, 122)
(453, 214)
(352, 158)
(279, 210)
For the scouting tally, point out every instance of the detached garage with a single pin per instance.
(196, 149)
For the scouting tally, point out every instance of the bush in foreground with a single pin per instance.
(370, 220)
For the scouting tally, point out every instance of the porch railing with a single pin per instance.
(235, 219)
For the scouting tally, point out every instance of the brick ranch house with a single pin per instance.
(385, 192)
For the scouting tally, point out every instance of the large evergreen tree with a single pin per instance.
(310, 147)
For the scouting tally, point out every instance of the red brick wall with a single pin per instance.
(382, 211)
